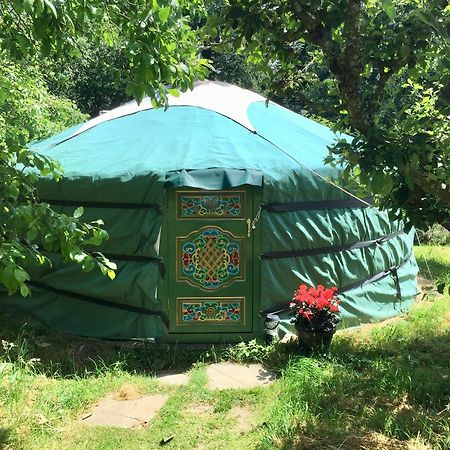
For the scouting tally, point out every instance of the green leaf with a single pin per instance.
(20, 275)
(32, 234)
(40, 259)
(39, 7)
(389, 8)
(110, 264)
(111, 274)
(183, 67)
(77, 257)
(88, 264)
(174, 92)
(426, 17)
(94, 240)
(381, 184)
(78, 212)
(9, 280)
(164, 14)
(51, 7)
(24, 291)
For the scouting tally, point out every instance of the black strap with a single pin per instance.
(319, 204)
(397, 283)
(98, 301)
(331, 249)
(114, 205)
(131, 258)
(377, 277)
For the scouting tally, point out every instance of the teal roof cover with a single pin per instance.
(240, 132)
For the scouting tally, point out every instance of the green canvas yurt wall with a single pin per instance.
(124, 166)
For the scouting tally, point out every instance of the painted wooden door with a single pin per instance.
(210, 270)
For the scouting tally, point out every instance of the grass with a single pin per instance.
(384, 386)
(438, 258)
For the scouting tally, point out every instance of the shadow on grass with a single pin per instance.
(4, 437)
(437, 267)
(361, 441)
(391, 396)
(57, 355)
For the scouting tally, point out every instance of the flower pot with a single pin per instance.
(312, 341)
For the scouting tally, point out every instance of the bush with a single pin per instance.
(435, 235)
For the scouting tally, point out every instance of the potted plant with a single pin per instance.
(315, 316)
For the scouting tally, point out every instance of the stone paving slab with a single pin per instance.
(242, 418)
(173, 378)
(125, 413)
(236, 376)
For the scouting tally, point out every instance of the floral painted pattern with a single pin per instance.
(210, 206)
(211, 311)
(210, 258)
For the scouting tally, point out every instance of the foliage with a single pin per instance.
(94, 81)
(314, 309)
(435, 260)
(28, 112)
(245, 352)
(435, 235)
(158, 43)
(379, 68)
(159, 49)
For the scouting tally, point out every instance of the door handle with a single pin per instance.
(251, 224)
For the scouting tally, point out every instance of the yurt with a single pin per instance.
(217, 208)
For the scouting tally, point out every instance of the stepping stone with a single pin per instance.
(243, 419)
(173, 378)
(125, 413)
(236, 376)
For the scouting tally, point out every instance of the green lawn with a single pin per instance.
(383, 386)
(438, 258)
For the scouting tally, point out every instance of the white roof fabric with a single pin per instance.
(223, 98)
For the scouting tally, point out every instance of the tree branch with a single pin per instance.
(393, 66)
(344, 61)
(318, 34)
(435, 188)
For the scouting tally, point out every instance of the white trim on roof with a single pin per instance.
(223, 98)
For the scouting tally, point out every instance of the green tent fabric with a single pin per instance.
(120, 166)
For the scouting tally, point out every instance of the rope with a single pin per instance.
(424, 257)
(314, 172)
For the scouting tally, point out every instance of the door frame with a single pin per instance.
(163, 287)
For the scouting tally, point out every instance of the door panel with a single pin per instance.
(210, 261)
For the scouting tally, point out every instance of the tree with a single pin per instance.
(382, 69)
(29, 112)
(160, 50)
(94, 81)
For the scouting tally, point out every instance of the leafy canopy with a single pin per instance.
(159, 49)
(379, 69)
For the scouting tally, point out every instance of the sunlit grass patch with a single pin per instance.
(434, 260)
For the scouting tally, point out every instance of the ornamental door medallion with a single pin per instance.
(209, 258)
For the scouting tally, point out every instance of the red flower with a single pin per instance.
(315, 303)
